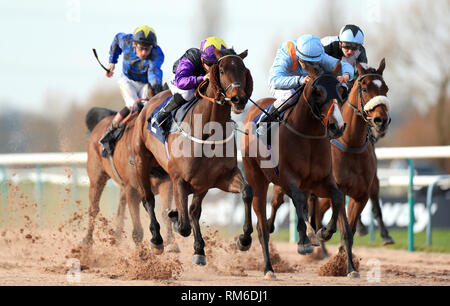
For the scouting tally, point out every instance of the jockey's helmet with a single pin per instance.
(207, 48)
(309, 48)
(145, 35)
(351, 34)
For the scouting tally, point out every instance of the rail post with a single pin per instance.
(411, 205)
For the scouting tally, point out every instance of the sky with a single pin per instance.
(46, 45)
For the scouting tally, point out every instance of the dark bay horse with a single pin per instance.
(100, 170)
(192, 170)
(353, 154)
(304, 164)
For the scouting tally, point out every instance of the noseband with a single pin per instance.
(363, 113)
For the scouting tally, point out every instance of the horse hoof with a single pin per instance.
(304, 249)
(199, 260)
(157, 249)
(241, 246)
(269, 276)
(324, 235)
(388, 240)
(353, 274)
(173, 248)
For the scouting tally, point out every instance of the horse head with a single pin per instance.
(230, 80)
(323, 95)
(371, 94)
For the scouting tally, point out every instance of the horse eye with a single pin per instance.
(364, 90)
(221, 71)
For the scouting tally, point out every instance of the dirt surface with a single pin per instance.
(51, 257)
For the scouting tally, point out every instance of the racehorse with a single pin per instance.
(229, 87)
(353, 154)
(121, 169)
(304, 163)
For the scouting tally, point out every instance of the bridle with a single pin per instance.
(363, 113)
(316, 106)
(223, 92)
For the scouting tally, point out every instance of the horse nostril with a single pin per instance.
(234, 99)
(380, 121)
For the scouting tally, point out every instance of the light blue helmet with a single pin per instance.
(309, 48)
(352, 34)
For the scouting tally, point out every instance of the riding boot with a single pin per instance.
(164, 113)
(115, 123)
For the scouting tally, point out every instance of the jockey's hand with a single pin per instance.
(111, 70)
(343, 78)
(306, 79)
(206, 77)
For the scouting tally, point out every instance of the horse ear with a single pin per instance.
(217, 52)
(381, 67)
(337, 69)
(248, 83)
(360, 68)
(243, 54)
(311, 71)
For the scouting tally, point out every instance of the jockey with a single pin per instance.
(348, 46)
(142, 60)
(288, 72)
(190, 70)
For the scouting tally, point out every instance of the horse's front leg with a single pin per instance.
(236, 183)
(276, 202)
(143, 168)
(195, 211)
(376, 210)
(180, 216)
(299, 201)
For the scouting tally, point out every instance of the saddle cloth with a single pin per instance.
(162, 132)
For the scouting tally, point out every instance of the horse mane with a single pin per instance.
(215, 81)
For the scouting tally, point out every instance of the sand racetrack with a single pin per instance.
(44, 257)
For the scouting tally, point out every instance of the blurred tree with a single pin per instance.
(417, 43)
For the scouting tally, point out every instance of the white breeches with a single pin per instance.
(132, 90)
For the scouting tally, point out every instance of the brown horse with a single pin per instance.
(192, 170)
(304, 164)
(354, 159)
(353, 156)
(122, 171)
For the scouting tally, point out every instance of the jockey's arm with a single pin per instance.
(154, 72)
(280, 72)
(116, 48)
(328, 63)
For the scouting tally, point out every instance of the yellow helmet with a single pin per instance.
(206, 48)
(145, 35)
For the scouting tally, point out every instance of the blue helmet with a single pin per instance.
(309, 48)
(351, 34)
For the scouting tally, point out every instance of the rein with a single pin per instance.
(212, 100)
(223, 91)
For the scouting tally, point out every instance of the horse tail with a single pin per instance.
(95, 115)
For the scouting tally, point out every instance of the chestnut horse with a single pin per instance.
(304, 164)
(354, 159)
(100, 169)
(192, 172)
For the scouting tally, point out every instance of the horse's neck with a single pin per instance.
(303, 120)
(212, 112)
(355, 134)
